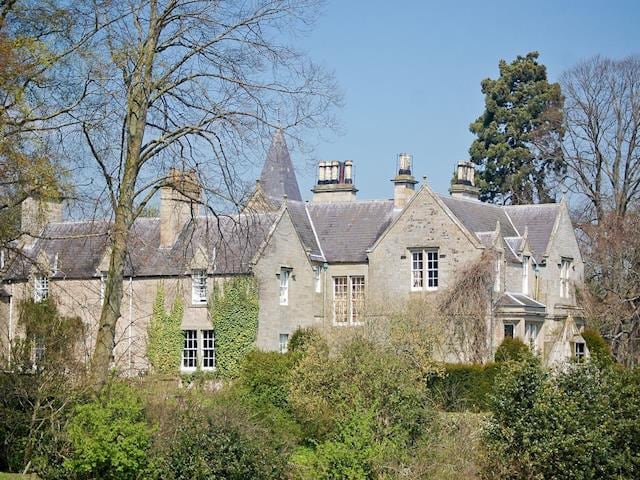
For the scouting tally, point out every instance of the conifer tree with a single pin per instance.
(518, 136)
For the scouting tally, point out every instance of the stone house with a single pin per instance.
(331, 262)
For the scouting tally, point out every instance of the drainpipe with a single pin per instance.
(10, 324)
(130, 354)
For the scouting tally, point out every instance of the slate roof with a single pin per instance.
(278, 177)
(80, 246)
(301, 220)
(511, 299)
(347, 229)
(479, 216)
(539, 221)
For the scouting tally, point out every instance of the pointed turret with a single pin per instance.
(278, 177)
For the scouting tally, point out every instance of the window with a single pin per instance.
(531, 331)
(284, 342)
(340, 300)
(424, 269)
(103, 286)
(2, 259)
(199, 287)
(580, 351)
(509, 329)
(565, 267)
(285, 273)
(525, 275)
(41, 288)
(190, 351)
(357, 299)
(317, 278)
(348, 300)
(208, 350)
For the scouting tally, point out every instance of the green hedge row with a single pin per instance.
(464, 387)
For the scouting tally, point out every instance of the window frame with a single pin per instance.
(528, 328)
(582, 355)
(199, 291)
(425, 269)
(504, 330)
(565, 268)
(283, 346)
(40, 288)
(189, 347)
(356, 307)
(344, 301)
(497, 284)
(526, 260)
(103, 286)
(207, 349)
(317, 272)
(285, 280)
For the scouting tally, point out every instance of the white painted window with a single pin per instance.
(425, 269)
(565, 268)
(357, 299)
(208, 350)
(340, 301)
(531, 331)
(317, 271)
(285, 274)
(525, 275)
(348, 300)
(580, 350)
(103, 286)
(199, 287)
(509, 330)
(41, 288)
(190, 350)
(284, 342)
(497, 285)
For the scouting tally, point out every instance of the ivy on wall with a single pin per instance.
(165, 335)
(234, 313)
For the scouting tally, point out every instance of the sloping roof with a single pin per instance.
(511, 299)
(478, 216)
(302, 224)
(347, 229)
(278, 177)
(539, 221)
(229, 241)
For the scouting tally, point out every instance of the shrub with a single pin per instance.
(584, 420)
(511, 349)
(464, 386)
(597, 345)
(302, 338)
(109, 437)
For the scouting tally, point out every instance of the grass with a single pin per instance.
(16, 476)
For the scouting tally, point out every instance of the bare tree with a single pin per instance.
(192, 85)
(602, 151)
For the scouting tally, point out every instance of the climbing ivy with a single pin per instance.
(234, 313)
(165, 335)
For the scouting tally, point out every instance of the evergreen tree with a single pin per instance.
(519, 134)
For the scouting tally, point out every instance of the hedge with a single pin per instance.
(464, 386)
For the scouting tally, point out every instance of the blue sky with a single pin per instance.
(411, 71)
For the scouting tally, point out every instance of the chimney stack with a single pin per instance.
(404, 182)
(335, 182)
(37, 212)
(463, 184)
(179, 203)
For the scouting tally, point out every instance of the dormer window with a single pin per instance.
(199, 287)
(40, 288)
(525, 274)
(285, 274)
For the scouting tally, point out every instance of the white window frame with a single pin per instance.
(352, 291)
(356, 306)
(103, 286)
(199, 287)
(341, 284)
(40, 288)
(583, 353)
(565, 268)
(283, 342)
(497, 285)
(425, 269)
(531, 333)
(207, 350)
(525, 274)
(285, 278)
(189, 363)
(317, 272)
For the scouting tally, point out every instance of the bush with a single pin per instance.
(302, 338)
(511, 349)
(220, 441)
(584, 420)
(109, 437)
(598, 346)
(464, 387)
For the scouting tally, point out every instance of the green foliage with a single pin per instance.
(598, 346)
(518, 134)
(109, 437)
(235, 320)
(220, 441)
(512, 349)
(464, 387)
(303, 337)
(165, 335)
(582, 422)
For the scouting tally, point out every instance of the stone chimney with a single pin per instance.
(463, 184)
(179, 203)
(404, 182)
(335, 182)
(37, 212)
